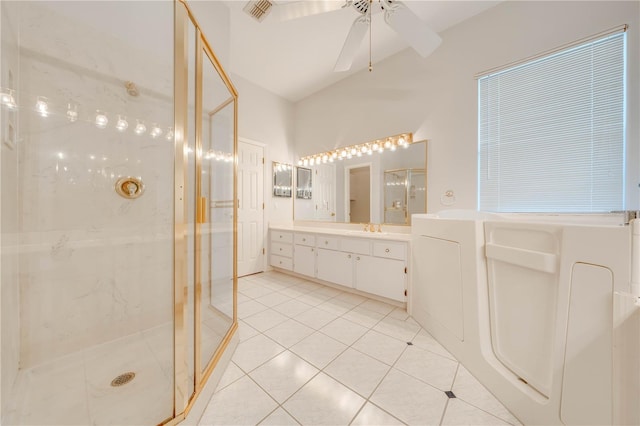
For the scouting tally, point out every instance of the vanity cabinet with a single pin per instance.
(369, 264)
(380, 276)
(335, 266)
(304, 254)
(281, 250)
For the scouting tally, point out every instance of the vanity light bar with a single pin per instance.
(379, 145)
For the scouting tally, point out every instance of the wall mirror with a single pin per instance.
(282, 179)
(333, 187)
(303, 183)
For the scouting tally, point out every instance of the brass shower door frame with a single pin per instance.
(186, 393)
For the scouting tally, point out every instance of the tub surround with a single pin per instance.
(536, 310)
(346, 256)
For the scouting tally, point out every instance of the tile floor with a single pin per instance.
(314, 355)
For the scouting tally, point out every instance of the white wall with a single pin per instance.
(267, 118)
(436, 97)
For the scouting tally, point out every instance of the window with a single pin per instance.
(551, 131)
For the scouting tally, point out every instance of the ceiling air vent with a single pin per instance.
(259, 9)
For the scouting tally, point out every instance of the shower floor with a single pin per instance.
(76, 389)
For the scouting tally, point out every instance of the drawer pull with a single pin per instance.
(304, 239)
(326, 242)
(386, 250)
(281, 262)
(349, 256)
(280, 248)
(358, 258)
(280, 236)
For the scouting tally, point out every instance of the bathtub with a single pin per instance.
(538, 307)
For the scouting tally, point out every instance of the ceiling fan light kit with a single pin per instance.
(413, 30)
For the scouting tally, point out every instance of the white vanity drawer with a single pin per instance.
(280, 249)
(354, 245)
(391, 250)
(282, 236)
(282, 262)
(325, 242)
(305, 239)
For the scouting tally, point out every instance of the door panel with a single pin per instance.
(250, 211)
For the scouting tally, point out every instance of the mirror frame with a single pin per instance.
(304, 192)
(282, 179)
(426, 201)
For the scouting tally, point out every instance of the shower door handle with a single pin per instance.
(202, 210)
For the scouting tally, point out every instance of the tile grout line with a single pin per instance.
(388, 315)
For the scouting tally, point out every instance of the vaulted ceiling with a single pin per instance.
(295, 58)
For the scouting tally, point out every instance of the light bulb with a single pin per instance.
(325, 158)
(72, 113)
(331, 159)
(343, 153)
(405, 146)
(369, 152)
(7, 99)
(349, 156)
(334, 154)
(299, 162)
(122, 124)
(140, 127)
(387, 143)
(375, 146)
(401, 141)
(155, 131)
(305, 162)
(353, 151)
(393, 148)
(359, 154)
(42, 107)
(312, 161)
(364, 148)
(170, 134)
(101, 120)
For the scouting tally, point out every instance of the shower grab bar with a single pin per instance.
(539, 261)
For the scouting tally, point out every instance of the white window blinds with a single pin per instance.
(551, 132)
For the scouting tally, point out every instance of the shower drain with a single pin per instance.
(123, 379)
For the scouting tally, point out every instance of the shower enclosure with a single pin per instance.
(118, 221)
(404, 195)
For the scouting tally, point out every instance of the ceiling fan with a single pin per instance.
(396, 14)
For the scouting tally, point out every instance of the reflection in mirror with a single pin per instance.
(404, 195)
(330, 184)
(216, 207)
(359, 184)
(303, 183)
(282, 179)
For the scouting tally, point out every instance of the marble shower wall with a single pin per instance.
(9, 309)
(94, 266)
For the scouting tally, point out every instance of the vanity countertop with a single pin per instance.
(351, 231)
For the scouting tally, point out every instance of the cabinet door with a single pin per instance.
(335, 267)
(304, 260)
(384, 277)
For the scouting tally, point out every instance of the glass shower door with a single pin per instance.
(215, 253)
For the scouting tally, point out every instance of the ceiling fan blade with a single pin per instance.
(300, 9)
(412, 29)
(352, 43)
